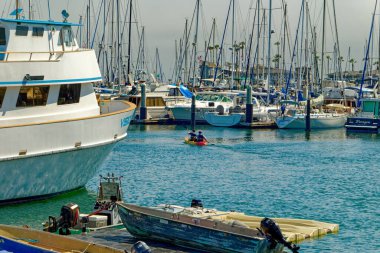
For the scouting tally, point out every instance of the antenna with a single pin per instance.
(65, 15)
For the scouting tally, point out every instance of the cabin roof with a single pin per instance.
(38, 22)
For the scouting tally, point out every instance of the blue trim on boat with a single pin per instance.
(38, 22)
(24, 82)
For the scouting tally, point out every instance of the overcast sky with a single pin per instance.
(164, 20)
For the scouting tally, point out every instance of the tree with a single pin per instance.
(352, 62)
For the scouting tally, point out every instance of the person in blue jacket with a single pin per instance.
(192, 136)
(201, 137)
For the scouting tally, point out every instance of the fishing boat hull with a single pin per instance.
(196, 143)
(363, 125)
(316, 121)
(144, 223)
(58, 156)
(20, 239)
(229, 120)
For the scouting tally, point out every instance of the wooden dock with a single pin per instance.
(169, 121)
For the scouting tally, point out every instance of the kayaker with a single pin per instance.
(193, 136)
(201, 137)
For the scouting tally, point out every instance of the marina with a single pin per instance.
(255, 136)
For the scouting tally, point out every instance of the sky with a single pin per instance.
(164, 21)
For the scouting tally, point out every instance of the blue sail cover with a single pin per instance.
(185, 91)
(19, 11)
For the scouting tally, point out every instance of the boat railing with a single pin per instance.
(47, 56)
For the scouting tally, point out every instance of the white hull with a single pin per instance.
(214, 119)
(52, 157)
(41, 176)
(184, 113)
(317, 121)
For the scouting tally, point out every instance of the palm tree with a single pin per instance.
(352, 62)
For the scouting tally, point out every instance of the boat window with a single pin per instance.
(22, 30)
(2, 95)
(38, 32)
(67, 35)
(69, 94)
(155, 101)
(135, 100)
(3, 40)
(32, 96)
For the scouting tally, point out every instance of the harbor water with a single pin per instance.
(328, 175)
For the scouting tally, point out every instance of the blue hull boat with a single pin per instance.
(367, 118)
(175, 227)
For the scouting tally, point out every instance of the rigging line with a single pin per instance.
(294, 49)
(366, 57)
(222, 44)
(96, 25)
(186, 46)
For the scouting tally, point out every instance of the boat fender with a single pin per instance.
(273, 233)
(140, 247)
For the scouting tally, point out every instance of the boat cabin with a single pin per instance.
(370, 108)
(42, 73)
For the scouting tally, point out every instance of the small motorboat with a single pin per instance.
(104, 215)
(197, 143)
(23, 239)
(216, 231)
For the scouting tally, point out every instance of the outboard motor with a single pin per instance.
(274, 235)
(140, 247)
(68, 218)
(196, 203)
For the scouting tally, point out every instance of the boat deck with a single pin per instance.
(122, 239)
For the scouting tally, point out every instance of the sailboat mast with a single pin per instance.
(185, 75)
(323, 41)
(233, 44)
(258, 40)
(17, 5)
(129, 40)
(195, 43)
(118, 42)
(269, 48)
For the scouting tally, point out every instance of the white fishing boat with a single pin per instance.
(207, 101)
(55, 134)
(156, 102)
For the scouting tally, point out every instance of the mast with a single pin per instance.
(233, 44)
(323, 41)
(129, 40)
(119, 58)
(185, 76)
(269, 48)
(30, 10)
(258, 40)
(17, 5)
(195, 43)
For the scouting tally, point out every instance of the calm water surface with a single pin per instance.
(328, 176)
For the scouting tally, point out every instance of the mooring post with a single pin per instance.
(307, 118)
(143, 114)
(193, 112)
(249, 106)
